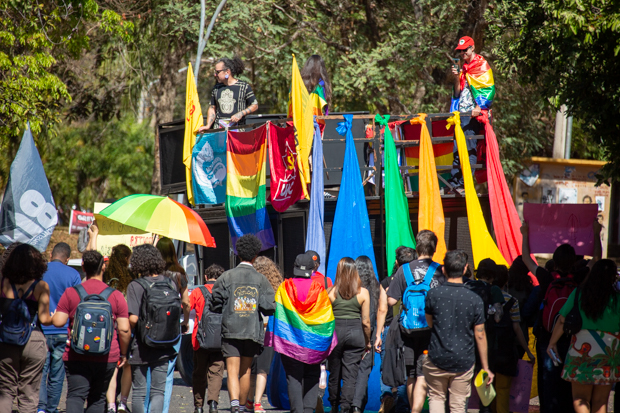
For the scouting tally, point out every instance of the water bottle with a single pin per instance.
(323, 378)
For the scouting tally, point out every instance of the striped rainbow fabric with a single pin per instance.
(480, 78)
(302, 330)
(246, 160)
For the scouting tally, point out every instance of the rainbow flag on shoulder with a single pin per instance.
(480, 78)
(246, 159)
(302, 330)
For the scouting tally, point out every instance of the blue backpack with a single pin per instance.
(413, 316)
(93, 325)
(16, 323)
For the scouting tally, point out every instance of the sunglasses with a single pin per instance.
(217, 72)
(464, 50)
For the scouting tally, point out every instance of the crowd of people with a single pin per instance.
(435, 326)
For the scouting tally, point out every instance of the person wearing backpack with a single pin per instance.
(555, 288)
(59, 276)
(155, 311)
(456, 318)
(98, 336)
(351, 307)
(414, 280)
(24, 306)
(507, 334)
(242, 295)
(208, 361)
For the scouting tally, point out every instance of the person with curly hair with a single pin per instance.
(208, 364)
(147, 262)
(231, 98)
(592, 362)
(88, 376)
(262, 363)
(243, 296)
(21, 367)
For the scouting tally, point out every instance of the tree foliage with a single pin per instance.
(569, 49)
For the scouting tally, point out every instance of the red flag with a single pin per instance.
(285, 178)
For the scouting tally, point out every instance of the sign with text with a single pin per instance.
(112, 233)
(80, 220)
(552, 225)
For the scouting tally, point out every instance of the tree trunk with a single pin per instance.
(165, 95)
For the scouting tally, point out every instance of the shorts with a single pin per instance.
(262, 363)
(414, 346)
(240, 348)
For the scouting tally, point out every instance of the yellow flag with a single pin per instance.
(482, 244)
(193, 121)
(430, 212)
(303, 121)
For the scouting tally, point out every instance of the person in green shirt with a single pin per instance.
(592, 364)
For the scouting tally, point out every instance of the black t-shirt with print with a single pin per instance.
(232, 99)
(455, 311)
(418, 270)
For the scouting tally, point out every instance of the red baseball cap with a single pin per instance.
(464, 43)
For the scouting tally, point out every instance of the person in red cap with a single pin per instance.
(466, 99)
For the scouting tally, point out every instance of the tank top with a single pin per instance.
(346, 309)
(31, 302)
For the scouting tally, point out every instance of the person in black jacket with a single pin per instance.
(241, 295)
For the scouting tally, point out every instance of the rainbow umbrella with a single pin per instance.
(162, 216)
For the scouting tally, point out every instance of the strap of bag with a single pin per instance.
(408, 276)
(428, 277)
(28, 291)
(106, 292)
(325, 281)
(81, 291)
(508, 305)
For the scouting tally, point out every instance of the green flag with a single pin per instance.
(397, 223)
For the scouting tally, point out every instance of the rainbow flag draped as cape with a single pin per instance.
(246, 159)
(479, 75)
(303, 330)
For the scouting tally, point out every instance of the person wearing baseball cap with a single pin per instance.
(469, 98)
(316, 275)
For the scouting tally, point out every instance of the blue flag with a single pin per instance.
(209, 168)
(351, 227)
(315, 238)
(28, 213)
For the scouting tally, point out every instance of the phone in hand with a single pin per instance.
(554, 358)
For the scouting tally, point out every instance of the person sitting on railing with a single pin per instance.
(474, 91)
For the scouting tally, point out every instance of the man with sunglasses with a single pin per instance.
(473, 98)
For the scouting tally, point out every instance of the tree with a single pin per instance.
(568, 49)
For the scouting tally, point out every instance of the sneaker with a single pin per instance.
(122, 408)
(258, 408)
(234, 409)
(110, 410)
(249, 406)
(387, 405)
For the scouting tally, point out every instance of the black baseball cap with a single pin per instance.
(315, 256)
(304, 265)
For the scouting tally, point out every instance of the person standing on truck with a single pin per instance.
(242, 295)
(231, 99)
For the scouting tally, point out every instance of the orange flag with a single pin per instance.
(430, 211)
(482, 243)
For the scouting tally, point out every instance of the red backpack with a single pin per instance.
(556, 296)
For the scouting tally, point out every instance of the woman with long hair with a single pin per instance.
(262, 363)
(593, 360)
(369, 282)
(315, 77)
(231, 98)
(351, 306)
(21, 367)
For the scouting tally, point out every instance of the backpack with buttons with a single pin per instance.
(93, 323)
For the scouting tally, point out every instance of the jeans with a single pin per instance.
(53, 374)
(344, 361)
(169, 382)
(303, 384)
(87, 381)
(159, 371)
(555, 393)
(470, 127)
(402, 401)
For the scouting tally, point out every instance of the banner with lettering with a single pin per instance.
(286, 188)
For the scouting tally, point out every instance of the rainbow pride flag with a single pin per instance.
(303, 330)
(246, 160)
(479, 75)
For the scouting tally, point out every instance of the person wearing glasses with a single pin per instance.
(474, 90)
(231, 99)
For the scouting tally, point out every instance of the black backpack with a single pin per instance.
(16, 323)
(93, 323)
(159, 323)
(503, 343)
(483, 290)
(209, 334)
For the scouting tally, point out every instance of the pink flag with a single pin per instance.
(286, 186)
(552, 225)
